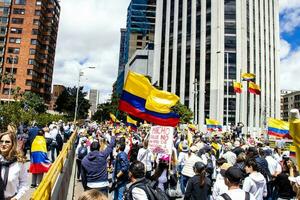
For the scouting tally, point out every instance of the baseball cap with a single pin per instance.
(233, 174)
(199, 166)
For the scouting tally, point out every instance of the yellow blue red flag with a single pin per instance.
(213, 124)
(141, 99)
(278, 128)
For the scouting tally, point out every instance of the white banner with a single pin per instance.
(161, 139)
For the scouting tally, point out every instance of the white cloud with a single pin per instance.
(90, 30)
(289, 71)
(290, 15)
(285, 48)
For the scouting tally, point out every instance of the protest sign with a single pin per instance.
(161, 139)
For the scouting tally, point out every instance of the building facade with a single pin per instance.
(56, 92)
(141, 61)
(289, 100)
(201, 47)
(94, 96)
(139, 32)
(29, 46)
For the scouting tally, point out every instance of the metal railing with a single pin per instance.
(44, 190)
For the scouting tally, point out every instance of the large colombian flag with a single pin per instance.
(39, 162)
(278, 128)
(253, 88)
(131, 123)
(212, 125)
(141, 99)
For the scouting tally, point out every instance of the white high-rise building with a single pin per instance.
(202, 46)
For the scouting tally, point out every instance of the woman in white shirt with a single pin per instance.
(146, 157)
(13, 171)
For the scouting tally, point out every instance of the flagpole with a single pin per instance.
(227, 92)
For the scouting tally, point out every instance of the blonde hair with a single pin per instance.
(13, 153)
(92, 195)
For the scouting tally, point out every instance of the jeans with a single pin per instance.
(53, 149)
(119, 192)
(37, 179)
(78, 163)
(183, 182)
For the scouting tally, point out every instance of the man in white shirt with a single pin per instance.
(137, 189)
(233, 177)
(146, 157)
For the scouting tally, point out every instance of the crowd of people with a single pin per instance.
(115, 162)
(36, 144)
(217, 166)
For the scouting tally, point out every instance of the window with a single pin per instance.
(36, 22)
(2, 39)
(32, 51)
(2, 30)
(4, 10)
(17, 20)
(8, 70)
(139, 37)
(13, 50)
(139, 43)
(20, 2)
(31, 62)
(38, 2)
(15, 40)
(3, 20)
(19, 11)
(14, 60)
(37, 12)
(33, 42)
(16, 30)
(35, 31)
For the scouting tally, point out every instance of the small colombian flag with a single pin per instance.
(212, 125)
(248, 77)
(131, 123)
(238, 87)
(253, 88)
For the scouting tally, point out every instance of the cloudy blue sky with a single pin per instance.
(91, 37)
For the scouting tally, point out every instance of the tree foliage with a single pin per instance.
(33, 101)
(66, 102)
(186, 115)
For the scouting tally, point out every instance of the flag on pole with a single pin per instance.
(238, 87)
(294, 128)
(253, 88)
(213, 125)
(278, 128)
(248, 77)
(113, 118)
(131, 123)
(141, 99)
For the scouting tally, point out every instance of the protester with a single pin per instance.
(92, 195)
(282, 183)
(161, 173)
(13, 172)
(137, 189)
(219, 186)
(81, 152)
(255, 183)
(94, 167)
(198, 186)
(233, 177)
(54, 145)
(120, 174)
(146, 157)
(39, 162)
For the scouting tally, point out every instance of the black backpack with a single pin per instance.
(227, 197)
(152, 192)
(82, 151)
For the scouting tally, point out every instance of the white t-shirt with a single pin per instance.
(236, 194)
(162, 180)
(139, 194)
(219, 187)
(273, 165)
(145, 156)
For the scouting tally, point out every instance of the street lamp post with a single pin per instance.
(77, 92)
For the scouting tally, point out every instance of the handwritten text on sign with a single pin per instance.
(160, 139)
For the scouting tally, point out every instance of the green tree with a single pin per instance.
(186, 115)
(67, 100)
(33, 101)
